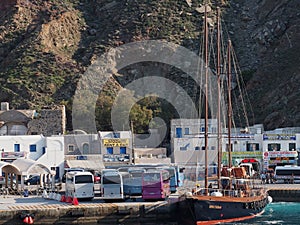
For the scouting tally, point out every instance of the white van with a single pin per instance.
(80, 185)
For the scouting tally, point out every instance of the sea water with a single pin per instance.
(278, 213)
(285, 213)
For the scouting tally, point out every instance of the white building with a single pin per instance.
(116, 147)
(270, 148)
(46, 152)
(188, 142)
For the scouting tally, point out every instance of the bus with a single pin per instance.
(135, 181)
(155, 184)
(80, 185)
(111, 185)
(173, 177)
(287, 173)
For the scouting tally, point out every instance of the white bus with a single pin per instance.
(111, 185)
(287, 173)
(80, 185)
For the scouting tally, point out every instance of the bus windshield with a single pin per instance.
(151, 177)
(111, 179)
(81, 179)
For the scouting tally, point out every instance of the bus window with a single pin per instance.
(81, 179)
(173, 178)
(287, 173)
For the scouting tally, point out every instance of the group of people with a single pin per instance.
(267, 177)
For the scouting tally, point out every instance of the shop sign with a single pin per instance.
(115, 142)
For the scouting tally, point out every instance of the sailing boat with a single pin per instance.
(235, 198)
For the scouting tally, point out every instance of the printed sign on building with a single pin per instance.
(115, 142)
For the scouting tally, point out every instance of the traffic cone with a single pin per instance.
(69, 199)
(75, 201)
(63, 198)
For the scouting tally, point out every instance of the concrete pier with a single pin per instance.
(284, 192)
(46, 211)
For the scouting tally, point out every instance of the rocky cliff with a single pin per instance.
(45, 47)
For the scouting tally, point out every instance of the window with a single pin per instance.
(85, 148)
(178, 132)
(71, 148)
(32, 148)
(227, 147)
(116, 135)
(292, 146)
(110, 150)
(122, 150)
(252, 147)
(187, 130)
(183, 148)
(197, 148)
(82, 179)
(203, 148)
(202, 129)
(213, 130)
(213, 148)
(17, 147)
(274, 147)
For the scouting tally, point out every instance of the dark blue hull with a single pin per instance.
(205, 211)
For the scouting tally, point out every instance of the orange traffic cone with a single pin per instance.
(63, 198)
(28, 220)
(69, 199)
(75, 201)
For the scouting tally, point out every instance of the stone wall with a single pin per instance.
(49, 122)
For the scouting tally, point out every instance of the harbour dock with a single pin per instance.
(51, 211)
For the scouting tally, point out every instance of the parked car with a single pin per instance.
(33, 180)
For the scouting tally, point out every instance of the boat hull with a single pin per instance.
(213, 211)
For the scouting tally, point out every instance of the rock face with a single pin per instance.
(269, 30)
(45, 46)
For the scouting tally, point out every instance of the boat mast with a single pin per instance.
(229, 103)
(219, 97)
(206, 98)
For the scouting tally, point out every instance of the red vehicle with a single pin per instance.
(155, 184)
(97, 177)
